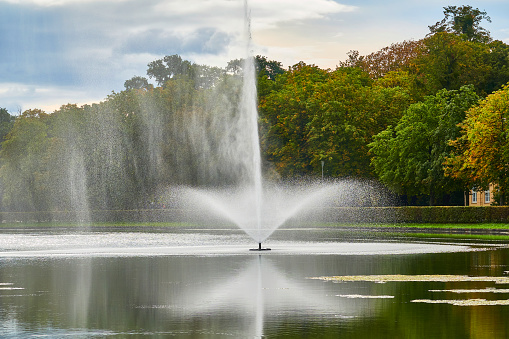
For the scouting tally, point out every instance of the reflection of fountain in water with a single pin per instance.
(262, 291)
(260, 305)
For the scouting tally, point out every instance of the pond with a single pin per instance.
(205, 283)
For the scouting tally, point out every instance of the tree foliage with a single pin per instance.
(463, 21)
(137, 82)
(482, 150)
(172, 67)
(389, 59)
(392, 114)
(409, 157)
(320, 115)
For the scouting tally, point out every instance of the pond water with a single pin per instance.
(197, 283)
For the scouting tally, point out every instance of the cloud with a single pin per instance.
(19, 96)
(72, 50)
(270, 13)
(159, 41)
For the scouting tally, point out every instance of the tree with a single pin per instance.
(318, 115)
(6, 123)
(450, 62)
(268, 68)
(463, 21)
(172, 67)
(409, 157)
(482, 151)
(24, 162)
(393, 58)
(267, 72)
(286, 117)
(169, 67)
(137, 82)
(346, 111)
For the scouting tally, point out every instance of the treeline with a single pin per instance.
(426, 118)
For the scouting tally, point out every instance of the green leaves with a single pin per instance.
(409, 157)
(327, 115)
(463, 21)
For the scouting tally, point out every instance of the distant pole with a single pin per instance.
(323, 163)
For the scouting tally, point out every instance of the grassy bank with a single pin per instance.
(402, 226)
(480, 231)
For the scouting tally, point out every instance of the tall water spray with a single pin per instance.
(257, 206)
(249, 110)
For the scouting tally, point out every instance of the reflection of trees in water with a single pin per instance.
(222, 295)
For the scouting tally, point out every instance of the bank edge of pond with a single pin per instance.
(482, 231)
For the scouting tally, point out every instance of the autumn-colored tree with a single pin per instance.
(286, 117)
(320, 115)
(347, 111)
(482, 151)
(389, 59)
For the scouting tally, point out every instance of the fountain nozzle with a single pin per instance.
(259, 248)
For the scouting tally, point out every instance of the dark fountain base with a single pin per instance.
(259, 248)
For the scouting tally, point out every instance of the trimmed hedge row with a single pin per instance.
(454, 214)
(421, 214)
(412, 214)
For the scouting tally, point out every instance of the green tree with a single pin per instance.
(346, 111)
(6, 123)
(448, 62)
(463, 21)
(24, 162)
(173, 67)
(267, 72)
(137, 82)
(409, 157)
(169, 67)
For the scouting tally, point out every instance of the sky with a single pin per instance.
(55, 52)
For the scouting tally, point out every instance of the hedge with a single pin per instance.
(435, 214)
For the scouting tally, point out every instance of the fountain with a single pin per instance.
(257, 206)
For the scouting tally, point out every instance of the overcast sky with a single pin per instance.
(54, 52)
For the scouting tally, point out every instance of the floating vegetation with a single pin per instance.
(466, 302)
(360, 296)
(412, 278)
(485, 290)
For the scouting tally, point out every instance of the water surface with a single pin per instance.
(191, 283)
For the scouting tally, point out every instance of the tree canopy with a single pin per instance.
(409, 157)
(463, 21)
(396, 115)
